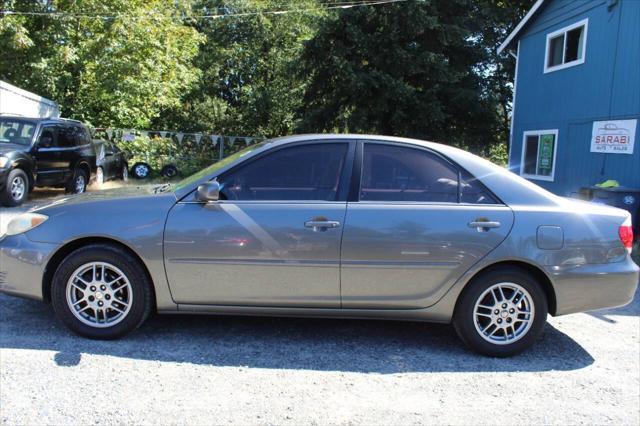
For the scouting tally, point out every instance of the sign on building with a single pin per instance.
(614, 136)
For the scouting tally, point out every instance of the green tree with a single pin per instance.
(411, 69)
(249, 84)
(498, 18)
(114, 64)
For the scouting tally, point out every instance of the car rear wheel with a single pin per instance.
(78, 183)
(501, 313)
(100, 292)
(169, 171)
(16, 190)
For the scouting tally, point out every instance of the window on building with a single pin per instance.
(566, 47)
(539, 154)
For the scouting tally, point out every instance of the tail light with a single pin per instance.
(626, 234)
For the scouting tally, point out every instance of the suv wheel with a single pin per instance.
(16, 190)
(78, 183)
(501, 313)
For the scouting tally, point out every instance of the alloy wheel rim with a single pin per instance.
(80, 184)
(504, 313)
(18, 187)
(99, 294)
(141, 170)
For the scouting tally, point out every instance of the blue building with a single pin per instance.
(576, 95)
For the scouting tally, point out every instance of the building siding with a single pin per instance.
(605, 87)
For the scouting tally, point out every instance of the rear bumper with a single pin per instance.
(590, 287)
(22, 265)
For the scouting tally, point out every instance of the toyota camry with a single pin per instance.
(347, 226)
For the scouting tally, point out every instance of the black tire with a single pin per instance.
(78, 182)
(139, 284)
(11, 196)
(464, 319)
(124, 173)
(169, 171)
(141, 170)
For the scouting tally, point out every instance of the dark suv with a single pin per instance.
(43, 152)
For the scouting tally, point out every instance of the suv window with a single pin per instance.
(47, 138)
(16, 131)
(70, 136)
(396, 173)
(304, 172)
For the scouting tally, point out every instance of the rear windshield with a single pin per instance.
(14, 130)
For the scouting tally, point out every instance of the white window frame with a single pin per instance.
(538, 133)
(563, 65)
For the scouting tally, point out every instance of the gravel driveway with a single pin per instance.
(222, 370)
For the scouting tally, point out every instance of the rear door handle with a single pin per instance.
(321, 225)
(483, 225)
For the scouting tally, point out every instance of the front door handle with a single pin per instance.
(321, 225)
(484, 225)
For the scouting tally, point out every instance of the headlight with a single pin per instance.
(24, 223)
(3, 161)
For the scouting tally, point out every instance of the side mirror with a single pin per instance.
(208, 192)
(45, 142)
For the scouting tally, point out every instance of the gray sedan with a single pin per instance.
(332, 226)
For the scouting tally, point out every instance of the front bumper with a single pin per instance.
(22, 265)
(594, 286)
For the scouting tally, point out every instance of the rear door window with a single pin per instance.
(398, 173)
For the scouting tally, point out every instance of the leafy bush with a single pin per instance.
(498, 154)
(188, 156)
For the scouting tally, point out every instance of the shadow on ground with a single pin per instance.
(384, 347)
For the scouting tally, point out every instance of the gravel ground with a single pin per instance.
(223, 370)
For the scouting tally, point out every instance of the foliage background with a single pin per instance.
(418, 68)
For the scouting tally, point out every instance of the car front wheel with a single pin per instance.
(100, 292)
(16, 189)
(141, 170)
(501, 313)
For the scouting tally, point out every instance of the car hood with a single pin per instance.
(10, 147)
(123, 196)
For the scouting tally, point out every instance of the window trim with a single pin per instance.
(538, 133)
(565, 30)
(358, 170)
(343, 185)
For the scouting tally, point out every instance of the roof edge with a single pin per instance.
(536, 6)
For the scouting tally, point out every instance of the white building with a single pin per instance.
(16, 101)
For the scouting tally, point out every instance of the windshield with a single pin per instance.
(218, 165)
(14, 130)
